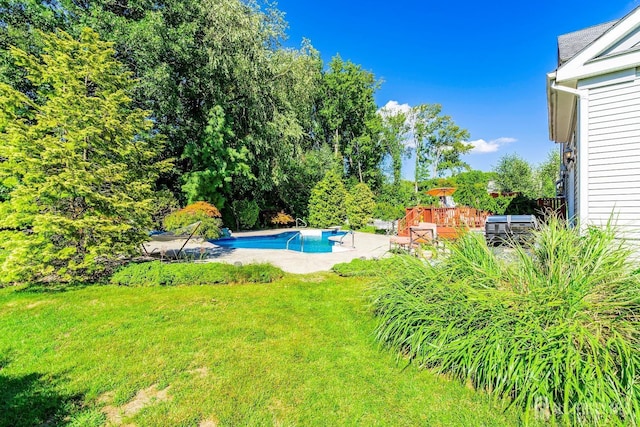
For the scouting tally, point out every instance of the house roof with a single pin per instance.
(571, 43)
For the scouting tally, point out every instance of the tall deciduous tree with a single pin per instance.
(214, 162)
(349, 119)
(547, 173)
(438, 142)
(514, 174)
(394, 135)
(79, 160)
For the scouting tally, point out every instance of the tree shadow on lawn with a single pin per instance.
(32, 400)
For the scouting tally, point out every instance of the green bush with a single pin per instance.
(388, 212)
(164, 202)
(554, 327)
(246, 213)
(364, 268)
(207, 214)
(157, 273)
(360, 204)
(327, 202)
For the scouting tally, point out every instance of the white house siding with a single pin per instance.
(613, 161)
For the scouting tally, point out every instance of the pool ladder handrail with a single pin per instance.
(300, 220)
(301, 240)
(353, 238)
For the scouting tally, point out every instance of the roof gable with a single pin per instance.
(572, 43)
(599, 50)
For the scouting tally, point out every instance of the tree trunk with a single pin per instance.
(415, 174)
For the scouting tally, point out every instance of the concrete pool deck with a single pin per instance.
(366, 245)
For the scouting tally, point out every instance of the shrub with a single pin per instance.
(388, 212)
(281, 218)
(364, 268)
(202, 208)
(207, 214)
(327, 202)
(164, 202)
(246, 213)
(157, 273)
(360, 204)
(554, 327)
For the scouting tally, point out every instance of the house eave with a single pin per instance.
(561, 106)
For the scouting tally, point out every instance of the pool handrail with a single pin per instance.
(353, 238)
(301, 241)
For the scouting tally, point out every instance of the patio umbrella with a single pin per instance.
(441, 191)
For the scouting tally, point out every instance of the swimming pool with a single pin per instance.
(309, 241)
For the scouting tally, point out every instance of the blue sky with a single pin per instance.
(485, 62)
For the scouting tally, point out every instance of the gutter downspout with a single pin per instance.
(580, 96)
(575, 92)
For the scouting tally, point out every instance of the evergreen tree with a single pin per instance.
(327, 202)
(79, 161)
(360, 205)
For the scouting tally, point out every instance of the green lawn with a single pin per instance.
(299, 351)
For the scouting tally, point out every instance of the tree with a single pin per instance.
(302, 173)
(438, 142)
(327, 202)
(547, 173)
(393, 136)
(214, 162)
(514, 174)
(349, 119)
(472, 190)
(246, 213)
(360, 204)
(189, 60)
(446, 147)
(80, 162)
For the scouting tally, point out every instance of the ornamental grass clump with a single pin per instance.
(554, 327)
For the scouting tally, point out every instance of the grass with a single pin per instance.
(298, 351)
(554, 327)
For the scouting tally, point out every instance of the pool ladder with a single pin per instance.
(301, 240)
(353, 238)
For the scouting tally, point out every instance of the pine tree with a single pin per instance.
(327, 202)
(79, 162)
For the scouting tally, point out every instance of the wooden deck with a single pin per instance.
(449, 221)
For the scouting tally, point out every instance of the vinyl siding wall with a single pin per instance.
(614, 156)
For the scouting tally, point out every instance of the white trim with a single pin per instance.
(587, 64)
(622, 76)
(629, 42)
(583, 160)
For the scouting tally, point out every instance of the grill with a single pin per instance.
(501, 229)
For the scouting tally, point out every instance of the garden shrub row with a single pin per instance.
(554, 327)
(157, 273)
(364, 268)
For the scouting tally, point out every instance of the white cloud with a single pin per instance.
(480, 146)
(393, 107)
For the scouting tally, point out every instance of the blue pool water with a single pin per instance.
(312, 243)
